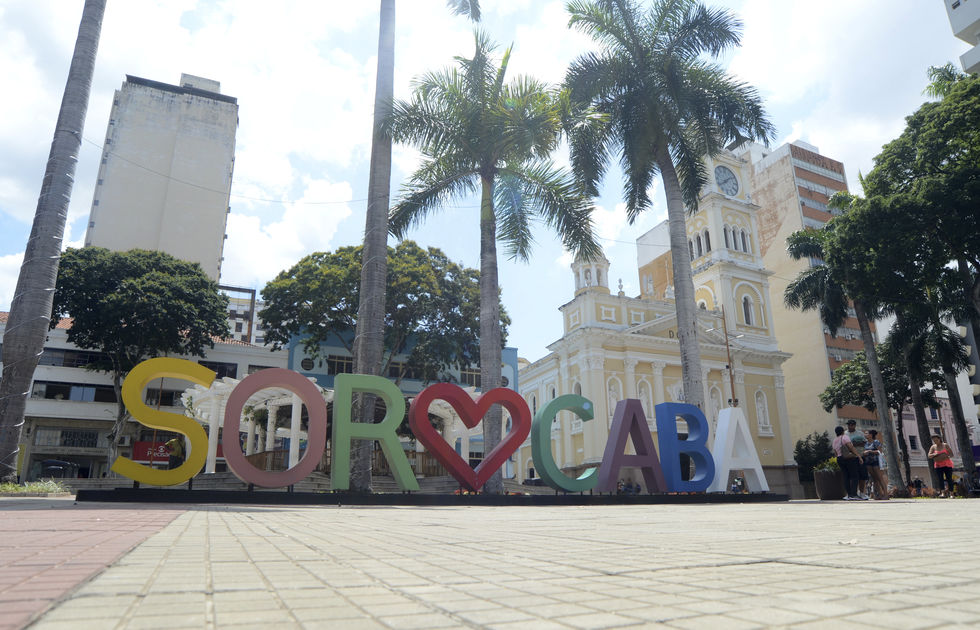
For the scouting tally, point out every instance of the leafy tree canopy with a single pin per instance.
(851, 384)
(433, 307)
(137, 304)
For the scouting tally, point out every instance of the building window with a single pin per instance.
(167, 398)
(728, 243)
(307, 364)
(707, 241)
(690, 245)
(745, 243)
(78, 392)
(747, 310)
(337, 364)
(913, 443)
(239, 326)
(222, 369)
(934, 413)
(697, 246)
(252, 369)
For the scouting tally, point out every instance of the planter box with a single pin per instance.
(829, 484)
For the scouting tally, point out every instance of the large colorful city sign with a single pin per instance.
(732, 445)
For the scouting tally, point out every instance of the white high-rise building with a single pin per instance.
(165, 179)
(964, 18)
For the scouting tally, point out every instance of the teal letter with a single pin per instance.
(344, 430)
(541, 444)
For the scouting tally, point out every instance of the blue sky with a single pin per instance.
(838, 74)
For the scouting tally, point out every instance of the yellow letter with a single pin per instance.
(132, 394)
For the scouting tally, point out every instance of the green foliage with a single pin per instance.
(851, 384)
(810, 452)
(654, 96)
(137, 304)
(477, 132)
(432, 307)
(829, 465)
(49, 486)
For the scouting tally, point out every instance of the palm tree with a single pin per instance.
(665, 109)
(478, 133)
(942, 79)
(369, 333)
(820, 288)
(30, 309)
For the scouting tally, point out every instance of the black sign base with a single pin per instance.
(160, 495)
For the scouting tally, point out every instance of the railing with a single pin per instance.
(423, 464)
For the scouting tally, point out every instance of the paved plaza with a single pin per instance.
(897, 564)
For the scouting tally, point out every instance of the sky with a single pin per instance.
(839, 74)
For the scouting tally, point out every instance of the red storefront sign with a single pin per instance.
(143, 450)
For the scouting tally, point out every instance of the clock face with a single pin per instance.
(726, 179)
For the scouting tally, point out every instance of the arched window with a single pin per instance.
(728, 242)
(534, 404)
(747, 310)
(745, 242)
(577, 390)
(697, 245)
(554, 393)
(707, 241)
(690, 244)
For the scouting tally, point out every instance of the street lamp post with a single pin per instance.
(728, 349)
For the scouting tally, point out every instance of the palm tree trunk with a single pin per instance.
(959, 420)
(921, 424)
(684, 304)
(881, 398)
(369, 334)
(490, 343)
(30, 309)
(903, 446)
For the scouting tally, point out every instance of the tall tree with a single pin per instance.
(432, 314)
(665, 109)
(30, 309)
(368, 346)
(478, 133)
(135, 305)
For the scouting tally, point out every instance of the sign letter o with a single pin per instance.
(316, 432)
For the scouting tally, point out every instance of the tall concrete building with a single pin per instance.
(791, 186)
(166, 172)
(964, 18)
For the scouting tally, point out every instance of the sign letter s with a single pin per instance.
(132, 393)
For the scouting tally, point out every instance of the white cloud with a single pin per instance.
(9, 270)
(255, 251)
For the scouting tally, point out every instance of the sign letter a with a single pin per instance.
(630, 421)
(734, 450)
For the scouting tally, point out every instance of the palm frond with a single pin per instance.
(554, 195)
(513, 217)
(435, 183)
(805, 243)
(467, 8)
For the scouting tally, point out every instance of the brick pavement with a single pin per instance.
(896, 564)
(50, 546)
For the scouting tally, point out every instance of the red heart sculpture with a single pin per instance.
(471, 412)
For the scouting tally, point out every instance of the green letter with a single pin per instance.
(541, 444)
(344, 430)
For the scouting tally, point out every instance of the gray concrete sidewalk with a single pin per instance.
(896, 564)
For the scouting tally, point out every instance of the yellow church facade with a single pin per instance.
(614, 346)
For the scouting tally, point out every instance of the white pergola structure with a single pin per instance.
(207, 406)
